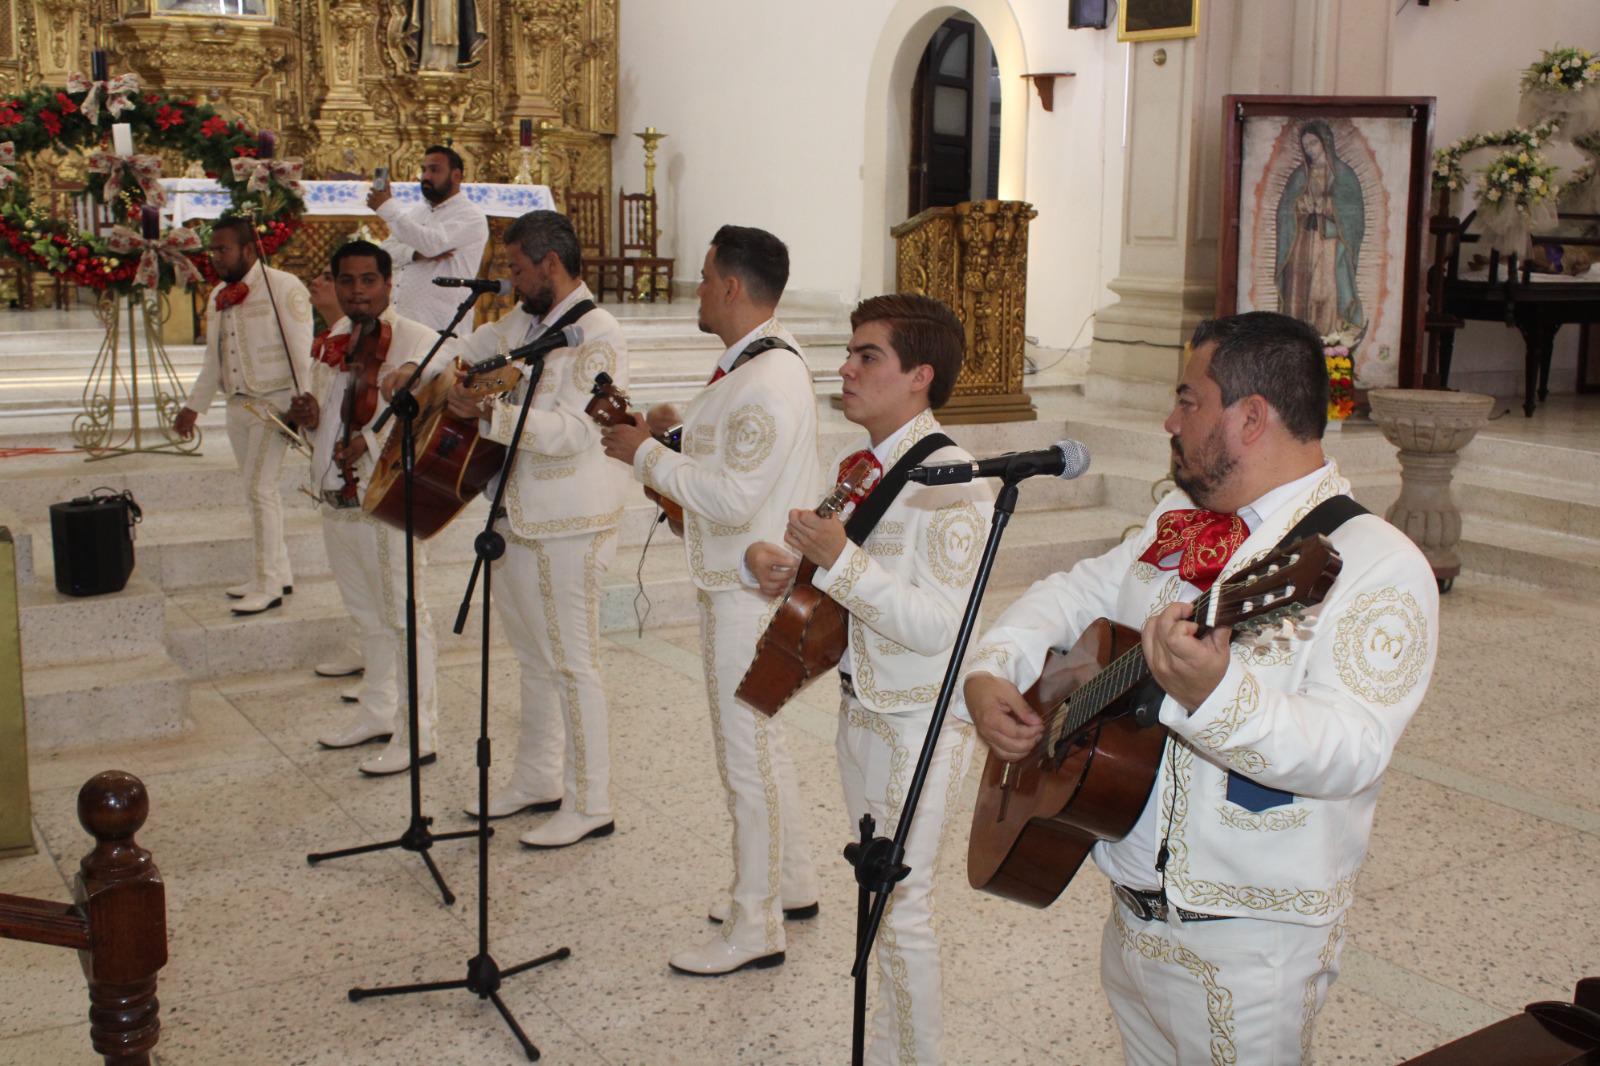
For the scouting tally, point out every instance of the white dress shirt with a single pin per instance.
(455, 230)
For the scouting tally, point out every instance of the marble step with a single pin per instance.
(60, 630)
(104, 702)
(207, 640)
(1530, 555)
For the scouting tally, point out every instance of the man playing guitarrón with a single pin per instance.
(1232, 888)
(368, 557)
(905, 587)
(749, 456)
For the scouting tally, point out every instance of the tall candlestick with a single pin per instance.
(266, 144)
(98, 70)
(150, 221)
(122, 138)
(527, 133)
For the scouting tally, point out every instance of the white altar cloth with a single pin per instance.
(191, 198)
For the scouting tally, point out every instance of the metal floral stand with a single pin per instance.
(113, 421)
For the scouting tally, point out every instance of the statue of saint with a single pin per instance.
(443, 34)
(1321, 221)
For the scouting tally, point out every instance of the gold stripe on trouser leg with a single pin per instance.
(541, 733)
(750, 758)
(877, 755)
(570, 569)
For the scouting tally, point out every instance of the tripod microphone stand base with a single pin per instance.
(483, 980)
(418, 838)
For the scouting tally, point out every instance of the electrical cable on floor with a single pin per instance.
(1030, 367)
(638, 574)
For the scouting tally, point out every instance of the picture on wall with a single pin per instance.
(1157, 20)
(1324, 212)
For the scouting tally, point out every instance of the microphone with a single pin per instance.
(568, 337)
(499, 287)
(1065, 459)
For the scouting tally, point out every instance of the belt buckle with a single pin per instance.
(1145, 908)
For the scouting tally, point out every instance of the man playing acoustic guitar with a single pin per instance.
(1232, 887)
(905, 586)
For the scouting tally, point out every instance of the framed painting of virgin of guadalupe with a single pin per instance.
(1324, 218)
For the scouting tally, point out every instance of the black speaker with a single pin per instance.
(92, 537)
(1088, 14)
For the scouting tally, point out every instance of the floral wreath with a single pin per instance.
(80, 116)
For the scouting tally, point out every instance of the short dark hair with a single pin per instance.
(923, 331)
(538, 233)
(449, 153)
(243, 230)
(362, 249)
(756, 258)
(1276, 357)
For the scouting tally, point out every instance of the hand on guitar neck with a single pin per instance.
(624, 431)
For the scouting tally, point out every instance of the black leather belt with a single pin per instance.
(847, 684)
(1152, 906)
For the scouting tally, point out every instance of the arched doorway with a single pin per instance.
(955, 118)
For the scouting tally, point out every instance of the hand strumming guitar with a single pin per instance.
(392, 382)
(1002, 717)
(772, 566)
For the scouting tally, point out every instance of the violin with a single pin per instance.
(364, 361)
(609, 407)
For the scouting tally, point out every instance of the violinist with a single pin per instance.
(258, 334)
(366, 556)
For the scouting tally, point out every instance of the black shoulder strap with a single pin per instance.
(871, 509)
(1324, 518)
(572, 314)
(756, 347)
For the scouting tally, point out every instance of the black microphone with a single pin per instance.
(569, 337)
(1065, 459)
(499, 287)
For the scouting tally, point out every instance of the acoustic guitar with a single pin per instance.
(453, 462)
(1091, 773)
(806, 637)
(609, 407)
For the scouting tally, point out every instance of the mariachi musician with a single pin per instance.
(258, 343)
(562, 506)
(368, 558)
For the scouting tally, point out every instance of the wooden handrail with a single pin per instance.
(117, 922)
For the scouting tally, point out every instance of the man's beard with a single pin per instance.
(538, 305)
(432, 194)
(236, 274)
(1207, 471)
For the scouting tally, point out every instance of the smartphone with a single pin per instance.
(380, 179)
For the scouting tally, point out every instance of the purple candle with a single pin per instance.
(527, 133)
(97, 65)
(150, 221)
(266, 144)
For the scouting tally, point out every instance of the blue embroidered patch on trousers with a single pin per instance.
(1253, 797)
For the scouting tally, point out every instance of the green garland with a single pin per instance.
(47, 117)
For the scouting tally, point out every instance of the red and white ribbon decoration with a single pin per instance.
(116, 93)
(256, 173)
(173, 246)
(146, 170)
(8, 157)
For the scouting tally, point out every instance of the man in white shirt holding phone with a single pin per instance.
(441, 237)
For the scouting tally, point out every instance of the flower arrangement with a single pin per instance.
(1563, 85)
(80, 117)
(1341, 375)
(1447, 170)
(1563, 70)
(1518, 178)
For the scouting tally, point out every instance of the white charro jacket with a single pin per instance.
(245, 351)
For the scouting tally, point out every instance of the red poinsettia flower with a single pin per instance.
(245, 150)
(9, 115)
(169, 117)
(51, 122)
(152, 98)
(214, 126)
(67, 106)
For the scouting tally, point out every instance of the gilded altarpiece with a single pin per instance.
(973, 257)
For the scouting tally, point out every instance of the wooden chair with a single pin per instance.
(601, 269)
(637, 222)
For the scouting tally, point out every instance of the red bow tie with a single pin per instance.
(718, 376)
(232, 295)
(870, 483)
(1205, 539)
(331, 350)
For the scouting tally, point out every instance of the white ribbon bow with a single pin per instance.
(146, 170)
(260, 171)
(8, 156)
(116, 93)
(172, 246)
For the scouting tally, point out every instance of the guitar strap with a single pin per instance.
(756, 347)
(571, 315)
(869, 510)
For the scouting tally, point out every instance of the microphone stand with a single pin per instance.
(484, 975)
(417, 836)
(879, 861)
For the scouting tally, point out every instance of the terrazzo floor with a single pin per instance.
(1487, 841)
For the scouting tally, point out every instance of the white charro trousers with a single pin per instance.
(877, 757)
(547, 595)
(1242, 990)
(368, 559)
(259, 449)
(771, 860)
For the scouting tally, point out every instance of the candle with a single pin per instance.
(97, 65)
(527, 133)
(122, 138)
(266, 144)
(150, 221)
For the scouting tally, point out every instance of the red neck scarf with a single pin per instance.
(1203, 540)
(232, 295)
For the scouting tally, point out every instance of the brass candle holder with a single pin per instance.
(644, 283)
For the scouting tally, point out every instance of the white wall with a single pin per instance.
(1470, 54)
(788, 116)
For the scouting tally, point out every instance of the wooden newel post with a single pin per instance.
(119, 890)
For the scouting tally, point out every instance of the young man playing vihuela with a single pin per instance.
(749, 458)
(562, 508)
(258, 345)
(1232, 888)
(367, 557)
(905, 585)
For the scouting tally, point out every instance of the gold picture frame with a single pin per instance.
(1158, 20)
